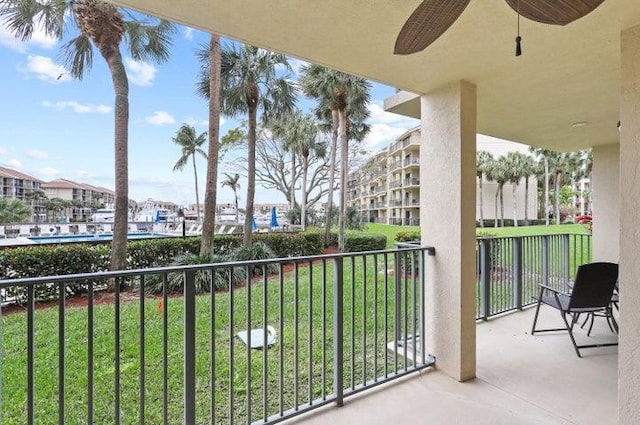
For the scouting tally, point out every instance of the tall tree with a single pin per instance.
(14, 211)
(299, 134)
(515, 163)
(500, 174)
(190, 144)
(343, 95)
(249, 85)
(484, 161)
(527, 170)
(233, 182)
(104, 26)
(35, 198)
(546, 158)
(208, 86)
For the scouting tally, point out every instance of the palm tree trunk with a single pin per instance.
(292, 191)
(546, 191)
(344, 158)
(235, 196)
(481, 201)
(251, 177)
(303, 207)
(515, 204)
(195, 176)
(556, 197)
(210, 191)
(526, 201)
(332, 175)
(495, 220)
(501, 205)
(121, 113)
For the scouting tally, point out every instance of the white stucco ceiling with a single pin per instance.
(566, 74)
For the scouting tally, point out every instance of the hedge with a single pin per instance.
(407, 236)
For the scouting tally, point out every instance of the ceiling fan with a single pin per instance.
(433, 17)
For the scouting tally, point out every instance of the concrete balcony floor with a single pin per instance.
(522, 379)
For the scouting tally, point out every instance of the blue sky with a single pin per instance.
(56, 127)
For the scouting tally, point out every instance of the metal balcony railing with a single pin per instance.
(509, 269)
(330, 326)
(411, 161)
(413, 181)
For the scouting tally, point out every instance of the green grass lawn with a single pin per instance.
(390, 231)
(307, 323)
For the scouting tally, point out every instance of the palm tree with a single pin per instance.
(545, 157)
(500, 174)
(234, 184)
(515, 163)
(299, 134)
(484, 161)
(248, 85)
(527, 170)
(14, 211)
(342, 94)
(35, 198)
(208, 86)
(103, 26)
(191, 144)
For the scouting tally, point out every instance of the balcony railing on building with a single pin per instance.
(412, 181)
(395, 184)
(411, 161)
(412, 202)
(395, 203)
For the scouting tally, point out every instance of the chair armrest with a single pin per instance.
(549, 288)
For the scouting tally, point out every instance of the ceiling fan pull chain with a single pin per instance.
(518, 38)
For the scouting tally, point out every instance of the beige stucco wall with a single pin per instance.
(606, 202)
(447, 217)
(629, 350)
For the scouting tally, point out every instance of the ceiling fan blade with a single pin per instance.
(428, 22)
(554, 12)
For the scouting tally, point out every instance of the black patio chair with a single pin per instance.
(592, 292)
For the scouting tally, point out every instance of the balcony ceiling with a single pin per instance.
(566, 75)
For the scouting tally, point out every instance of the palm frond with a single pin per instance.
(77, 56)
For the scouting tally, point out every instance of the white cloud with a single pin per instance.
(37, 154)
(43, 68)
(379, 115)
(202, 123)
(77, 107)
(140, 73)
(13, 163)
(160, 118)
(48, 172)
(38, 39)
(382, 135)
(188, 33)
(3, 150)
(82, 173)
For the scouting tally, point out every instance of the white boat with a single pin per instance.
(150, 214)
(103, 215)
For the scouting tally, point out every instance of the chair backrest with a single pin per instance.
(594, 285)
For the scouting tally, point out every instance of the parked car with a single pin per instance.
(583, 218)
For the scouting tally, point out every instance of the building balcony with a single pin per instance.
(395, 203)
(413, 181)
(395, 184)
(412, 203)
(380, 204)
(395, 165)
(413, 161)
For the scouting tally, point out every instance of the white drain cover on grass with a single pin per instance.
(257, 337)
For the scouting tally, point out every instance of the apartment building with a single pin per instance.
(17, 185)
(386, 188)
(84, 196)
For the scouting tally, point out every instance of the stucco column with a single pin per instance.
(447, 217)
(605, 189)
(629, 349)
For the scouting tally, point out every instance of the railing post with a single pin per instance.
(190, 347)
(517, 272)
(338, 327)
(545, 260)
(485, 277)
(565, 246)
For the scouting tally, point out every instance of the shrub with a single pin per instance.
(481, 233)
(175, 281)
(407, 236)
(364, 242)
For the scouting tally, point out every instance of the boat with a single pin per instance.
(151, 214)
(103, 215)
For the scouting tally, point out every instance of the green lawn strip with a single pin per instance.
(367, 355)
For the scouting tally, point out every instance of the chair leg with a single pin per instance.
(535, 318)
(570, 329)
